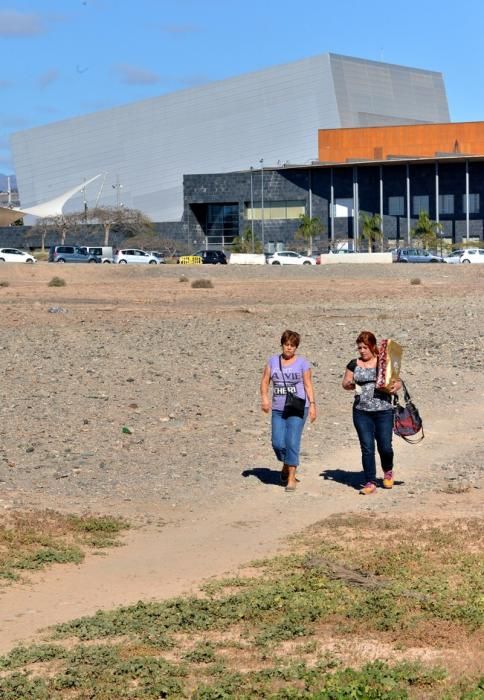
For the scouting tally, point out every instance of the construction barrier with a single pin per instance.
(190, 260)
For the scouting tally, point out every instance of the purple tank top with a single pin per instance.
(293, 374)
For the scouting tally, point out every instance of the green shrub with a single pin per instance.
(202, 284)
(57, 282)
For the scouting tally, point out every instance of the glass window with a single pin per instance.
(396, 206)
(446, 203)
(275, 210)
(474, 203)
(222, 219)
(294, 209)
(420, 202)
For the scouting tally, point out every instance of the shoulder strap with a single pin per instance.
(406, 394)
(282, 373)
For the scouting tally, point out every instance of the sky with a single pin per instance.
(64, 58)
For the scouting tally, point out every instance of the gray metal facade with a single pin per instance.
(273, 114)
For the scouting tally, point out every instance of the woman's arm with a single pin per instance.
(309, 389)
(348, 382)
(264, 389)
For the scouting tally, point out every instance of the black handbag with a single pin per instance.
(407, 421)
(294, 406)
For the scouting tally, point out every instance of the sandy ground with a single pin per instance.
(138, 348)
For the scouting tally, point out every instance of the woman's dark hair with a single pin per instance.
(368, 339)
(291, 337)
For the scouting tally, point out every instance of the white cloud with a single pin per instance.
(132, 75)
(13, 23)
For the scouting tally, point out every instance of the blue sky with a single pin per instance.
(63, 58)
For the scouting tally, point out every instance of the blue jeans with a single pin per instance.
(374, 426)
(286, 437)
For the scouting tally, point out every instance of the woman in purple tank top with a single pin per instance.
(289, 373)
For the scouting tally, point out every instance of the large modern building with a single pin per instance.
(266, 118)
(396, 172)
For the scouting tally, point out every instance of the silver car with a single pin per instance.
(136, 256)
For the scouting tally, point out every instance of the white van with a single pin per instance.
(103, 252)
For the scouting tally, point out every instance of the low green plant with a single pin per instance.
(259, 636)
(4, 283)
(57, 282)
(33, 540)
(415, 280)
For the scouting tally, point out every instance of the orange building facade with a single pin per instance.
(411, 140)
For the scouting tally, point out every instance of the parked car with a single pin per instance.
(15, 255)
(472, 255)
(160, 256)
(133, 255)
(290, 257)
(415, 255)
(454, 257)
(72, 254)
(212, 257)
(101, 251)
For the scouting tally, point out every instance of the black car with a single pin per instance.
(212, 257)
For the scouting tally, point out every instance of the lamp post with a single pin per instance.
(252, 206)
(118, 186)
(262, 201)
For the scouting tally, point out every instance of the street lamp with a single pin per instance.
(262, 201)
(252, 206)
(118, 186)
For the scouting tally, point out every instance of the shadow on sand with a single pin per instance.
(354, 480)
(265, 475)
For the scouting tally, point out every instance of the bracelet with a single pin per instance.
(314, 402)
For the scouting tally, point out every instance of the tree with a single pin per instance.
(49, 226)
(309, 227)
(427, 231)
(371, 229)
(244, 243)
(130, 222)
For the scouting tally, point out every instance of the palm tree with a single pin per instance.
(244, 243)
(371, 229)
(308, 228)
(427, 231)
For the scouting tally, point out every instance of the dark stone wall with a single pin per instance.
(304, 183)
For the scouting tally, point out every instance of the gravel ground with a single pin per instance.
(128, 385)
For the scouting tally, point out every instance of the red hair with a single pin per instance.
(368, 338)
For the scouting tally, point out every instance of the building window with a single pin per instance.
(446, 203)
(285, 209)
(222, 220)
(420, 202)
(396, 206)
(474, 204)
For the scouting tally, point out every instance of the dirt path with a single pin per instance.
(201, 542)
(180, 366)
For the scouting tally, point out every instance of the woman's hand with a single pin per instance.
(265, 405)
(395, 386)
(312, 412)
(348, 382)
